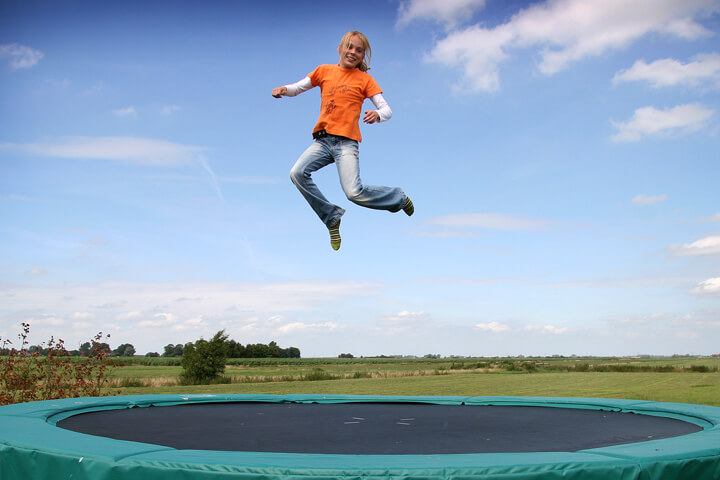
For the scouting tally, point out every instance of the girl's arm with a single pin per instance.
(293, 89)
(383, 112)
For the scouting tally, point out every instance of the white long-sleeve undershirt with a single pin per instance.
(383, 109)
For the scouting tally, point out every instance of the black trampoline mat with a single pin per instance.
(375, 428)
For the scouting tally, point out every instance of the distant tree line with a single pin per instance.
(238, 350)
(234, 350)
(84, 351)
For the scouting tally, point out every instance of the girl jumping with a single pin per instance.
(343, 89)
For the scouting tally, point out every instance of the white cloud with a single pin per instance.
(159, 320)
(709, 287)
(306, 327)
(491, 221)
(154, 304)
(125, 112)
(648, 121)
(708, 245)
(668, 328)
(322, 319)
(169, 109)
(555, 330)
(667, 72)
(493, 327)
(195, 323)
(16, 198)
(404, 323)
(552, 329)
(449, 12)
(565, 31)
(478, 51)
(711, 218)
(405, 317)
(643, 199)
(49, 319)
(497, 327)
(113, 327)
(36, 271)
(20, 56)
(146, 151)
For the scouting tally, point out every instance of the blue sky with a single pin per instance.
(562, 157)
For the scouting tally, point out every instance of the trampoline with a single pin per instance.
(314, 437)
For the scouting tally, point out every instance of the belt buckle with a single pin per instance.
(319, 134)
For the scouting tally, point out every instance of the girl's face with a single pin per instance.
(352, 53)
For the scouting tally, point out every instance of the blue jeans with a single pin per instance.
(344, 153)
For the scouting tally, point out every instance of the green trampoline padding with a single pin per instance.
(32, 445)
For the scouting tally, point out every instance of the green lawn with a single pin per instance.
(446, 377)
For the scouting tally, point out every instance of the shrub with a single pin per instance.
(317, 374)
(529, 366)
(131, 383)
(204, 361)
(582, 367)
(47, 373)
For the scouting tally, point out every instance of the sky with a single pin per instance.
(563, 157)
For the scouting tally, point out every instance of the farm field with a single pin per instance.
(683, 379)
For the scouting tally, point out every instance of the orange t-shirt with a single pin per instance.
(342, 91)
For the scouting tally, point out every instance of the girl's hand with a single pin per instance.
(371, 116)
(279, 92)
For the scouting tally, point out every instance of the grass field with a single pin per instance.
(682, 379)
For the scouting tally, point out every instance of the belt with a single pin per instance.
(320, 134)
(323, 133)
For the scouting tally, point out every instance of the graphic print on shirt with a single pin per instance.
(330, 106)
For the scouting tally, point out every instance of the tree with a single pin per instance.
(204, 361)
(86, 348)
(173, 350)
(273, 349)
(124, 350)
(258, 350)
(236, 350)
(291, 352)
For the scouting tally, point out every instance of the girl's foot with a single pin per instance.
(335, 236)
(408, 208)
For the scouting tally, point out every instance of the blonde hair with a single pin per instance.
(362, 66)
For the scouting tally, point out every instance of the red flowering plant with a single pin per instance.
(48, 371)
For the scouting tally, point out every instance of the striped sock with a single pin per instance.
(335, 236)
(408, 208)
